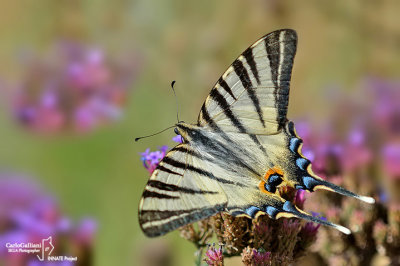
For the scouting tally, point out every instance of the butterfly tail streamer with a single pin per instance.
(289, 210)
(314, 184)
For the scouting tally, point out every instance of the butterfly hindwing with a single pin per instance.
(180, 191)
(252, 95)
(239, 166)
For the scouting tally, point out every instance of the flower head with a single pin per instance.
(177, 138)
(214, 256)
(151, 160)
(261, 257)
(77, 89)
(300, 198)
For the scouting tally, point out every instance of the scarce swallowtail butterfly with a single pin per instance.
(240, 151)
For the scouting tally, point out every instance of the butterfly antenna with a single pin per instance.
(136, 139)
(176, 100)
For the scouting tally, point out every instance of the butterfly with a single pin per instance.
(241, 150)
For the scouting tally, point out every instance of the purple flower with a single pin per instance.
(49, 99)
(303, 129)
(300, 198)
(155, 157)
(311, 228)
(214, 256)
(164, 149)
(29, 215)
(36, 262)
(356, 153)
(150, 160)
(391, 160)
(385, 108)
(318, 215)
(26, 115)
(77, 90)
(177, 138)
(261, 257)
(86, 232)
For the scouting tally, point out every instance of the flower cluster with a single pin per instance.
(28, 215)
(363, 157)
(76, 89)
(261, 241)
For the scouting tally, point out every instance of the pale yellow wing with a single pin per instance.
(180, 191)
(252, 95)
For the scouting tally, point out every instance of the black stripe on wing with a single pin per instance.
(221, 101)
(281, 63)
(153, 224)
(174, 188)
(226, 87)
(226, 153)
(153, 194)
(241, 72)
(244, 77)
(199, 171)
(248, 54)
(204, 116)
(165, 169)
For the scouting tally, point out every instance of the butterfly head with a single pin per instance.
(187, 131)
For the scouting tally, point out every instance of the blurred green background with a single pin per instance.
(100, 174)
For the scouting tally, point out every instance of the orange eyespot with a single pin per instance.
(273, 170)
(272, 179)
(261, 186)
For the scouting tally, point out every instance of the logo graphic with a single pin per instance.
(47, 248)
(42, 250)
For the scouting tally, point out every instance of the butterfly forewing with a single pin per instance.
(252, 95)
(180, 191)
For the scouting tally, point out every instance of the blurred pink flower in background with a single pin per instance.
(391, 160)
(75, 88)
(385, 111)
(28, 215)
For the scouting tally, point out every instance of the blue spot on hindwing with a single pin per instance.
(294, 144)
(275, 179)
(302, 163)
(288, 207)
(252, 210)
(271, 211)
(299, 186)
(310, 182)
(269, 188)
